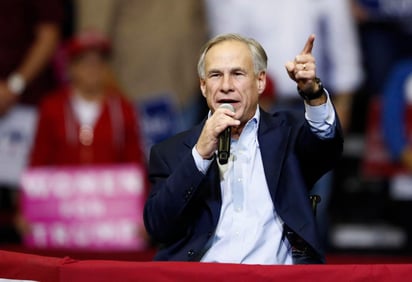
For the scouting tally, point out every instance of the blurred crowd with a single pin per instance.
(98, 81)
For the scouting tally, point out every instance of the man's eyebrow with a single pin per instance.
(235, 69)
(238, 69)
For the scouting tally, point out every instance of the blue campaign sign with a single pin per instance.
(158, 120)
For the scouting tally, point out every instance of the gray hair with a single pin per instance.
(259, 56)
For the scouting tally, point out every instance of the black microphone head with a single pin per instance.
(227, 106)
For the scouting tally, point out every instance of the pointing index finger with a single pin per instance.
(309, 45)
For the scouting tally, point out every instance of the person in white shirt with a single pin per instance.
(338, 51)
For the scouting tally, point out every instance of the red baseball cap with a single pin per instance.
(87, 41)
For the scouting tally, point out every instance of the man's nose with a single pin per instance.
(227, 83)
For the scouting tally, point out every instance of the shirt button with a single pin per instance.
(191, 253)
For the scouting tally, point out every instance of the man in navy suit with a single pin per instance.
(254, 209)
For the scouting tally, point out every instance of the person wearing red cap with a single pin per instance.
(87, 121)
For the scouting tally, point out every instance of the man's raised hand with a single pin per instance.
(303, 68)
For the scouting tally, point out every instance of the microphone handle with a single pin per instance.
(223, 151)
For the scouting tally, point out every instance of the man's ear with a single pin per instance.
(261, 82)
(203, 86)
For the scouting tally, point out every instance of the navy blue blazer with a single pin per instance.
(182, 210)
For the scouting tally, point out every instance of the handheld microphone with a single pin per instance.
(223, 151)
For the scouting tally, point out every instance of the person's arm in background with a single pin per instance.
(38, 55)
(42, 49)
(394, 106)
(346, 71)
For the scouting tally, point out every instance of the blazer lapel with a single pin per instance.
(214, 201)
(273, 141)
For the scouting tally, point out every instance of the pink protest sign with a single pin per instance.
(95, 207)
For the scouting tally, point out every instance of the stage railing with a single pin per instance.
(14, 265)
